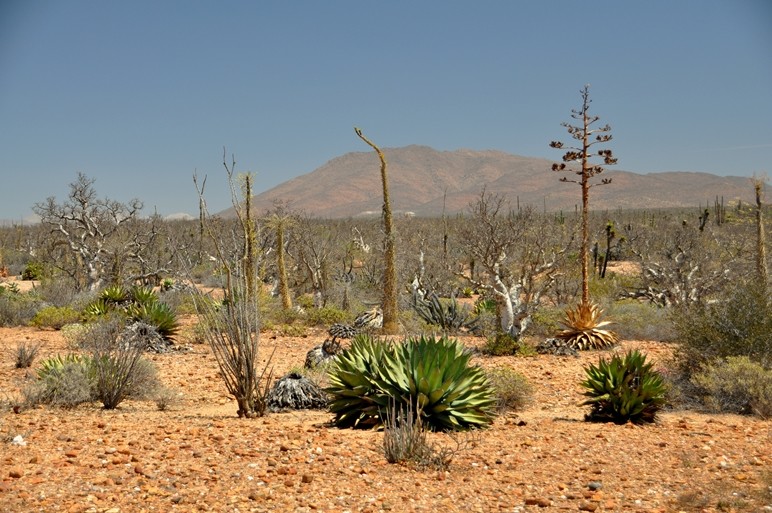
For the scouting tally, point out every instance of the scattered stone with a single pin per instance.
(15, 472)
(594, 485)
(557, 347)
(307, 478)
(18, 440)
(588, 506)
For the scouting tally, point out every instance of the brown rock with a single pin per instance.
(15, 472)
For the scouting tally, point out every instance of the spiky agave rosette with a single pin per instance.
(428, 376)
(585, 329)
(624, 389)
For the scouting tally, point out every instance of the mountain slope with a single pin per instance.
(426, 181)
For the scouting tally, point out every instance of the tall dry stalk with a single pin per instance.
(761, 250)
(390, 312)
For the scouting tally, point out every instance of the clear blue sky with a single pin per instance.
(141, 94)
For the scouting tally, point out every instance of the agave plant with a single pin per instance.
(138, 304)
(445, 314)
(115, 295)
(624, 389)
(428, 376)
(143, 295)
(159, 315)
(584, 328)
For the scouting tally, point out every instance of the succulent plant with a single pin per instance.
(428, 376)
(624, 389)
(159, 315)
(137, 304)
(584, 329)
(142, 295)
(445, 314)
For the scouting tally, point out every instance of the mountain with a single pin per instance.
(426, 182)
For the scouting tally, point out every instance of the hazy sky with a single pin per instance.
(141, 94)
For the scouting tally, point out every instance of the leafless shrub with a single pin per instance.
(26, 352)
(165, 398)
(405, 441)
(119, 370)
(232, 331)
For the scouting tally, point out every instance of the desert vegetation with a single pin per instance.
(476, 297)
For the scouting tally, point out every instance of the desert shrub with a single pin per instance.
(55, 317)
(739, 325)
(118, 368)
(233, 333)
(26, 352)
(17, 309)
(63, 381)
(547, 321)
(165, 398)
(325, 316)
(504, 344)
(74, 334)
(624, 389)
(510, 388)
(406, 442)
(60, 292)
(111, 370)
(33, 271)
(735, 385)
(180, 300)
(289, 330)
(431, 377)
(635, 320)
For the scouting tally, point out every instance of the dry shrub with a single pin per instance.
(26, 352)
(736, 385)
(405, 441)
(511, 389)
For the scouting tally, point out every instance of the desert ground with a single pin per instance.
(199, 456)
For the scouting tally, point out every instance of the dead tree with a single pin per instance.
(86, 224)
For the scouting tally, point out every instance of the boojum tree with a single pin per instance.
(390, 322)
(583, 324)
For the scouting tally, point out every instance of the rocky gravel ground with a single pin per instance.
(198, 456)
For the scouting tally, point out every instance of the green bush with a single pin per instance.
(33, 271)
(55, 317)
(63, 381)
(735, 385)
(624, 389)
(635, 320)
(504, 344)
(326, 316)
(17, 309)
(110, 372)
(431, 377)
(739, 325)
(510, 388)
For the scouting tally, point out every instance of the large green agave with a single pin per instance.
(624, 389)
(429, 376)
